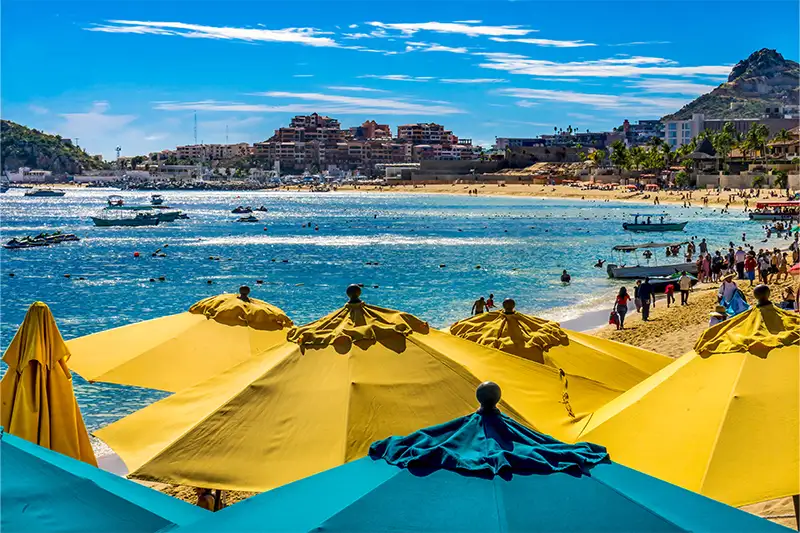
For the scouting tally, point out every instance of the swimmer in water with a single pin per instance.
(599, 263)
(565, 277)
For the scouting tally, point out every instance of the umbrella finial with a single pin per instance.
(354, 292)
(509, 305)
(488, 394)
(761, 294)
(244, 293)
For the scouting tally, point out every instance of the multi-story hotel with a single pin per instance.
(211, 152)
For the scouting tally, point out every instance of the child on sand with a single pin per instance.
(669, 291)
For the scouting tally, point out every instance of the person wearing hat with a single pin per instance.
(717, 316)
(727, 288)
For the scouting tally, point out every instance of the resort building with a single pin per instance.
(212, 152)
(787, 149)
(680, 132)
(425, 133)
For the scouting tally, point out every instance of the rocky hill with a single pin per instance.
(763, 79)
(26, 147)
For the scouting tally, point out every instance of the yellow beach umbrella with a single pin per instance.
(618, 366)
(721, 420)
(176, 351)
(38, 403)
(360, 374)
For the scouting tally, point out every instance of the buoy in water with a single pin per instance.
(67, 276)
(152, 280)
(11, 274)
(259, 282)
(209, 282)
(135, 254)
(442, 266)
(477, 266)
(162, 278)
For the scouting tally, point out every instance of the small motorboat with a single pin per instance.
(647, 224)
(242, 210)
(250, 218)
(624, 269)
(156, 199)
(261, 208)
(41, 191)
(141, 219)
(775, 211)
(43, 239)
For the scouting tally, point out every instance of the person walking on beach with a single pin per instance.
(764, 267)
(637, 300)
(685, 285)
(740, 257)
(646, 293)
(783, 267)
(750, 265)
(621, 306)
(490, 303)
(669, 291)
(478, 306)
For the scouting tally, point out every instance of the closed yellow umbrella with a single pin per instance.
(176, 351)
(721, 420)
(360, 374)
(618, 366)
(38, 403)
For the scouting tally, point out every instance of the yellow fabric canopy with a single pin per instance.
(360, 374)
(618, 366)
(721, 420)
(176, 351)
(38, 403)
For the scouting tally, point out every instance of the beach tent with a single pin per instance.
(176, 351)
(42, 490)
(483, 472)
(721, 420)
(38, 403)
(360, 374)
(618, 366)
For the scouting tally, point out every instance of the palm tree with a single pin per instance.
(597, 157)
(619, 155)
(782, 136)
(723, 144)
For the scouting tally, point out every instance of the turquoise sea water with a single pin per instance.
(521, 245)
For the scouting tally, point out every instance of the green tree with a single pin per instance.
(781, 179)
(723, 143)
(782, 136)
(619, 155)
(758, 181)
(682, 179)
(637, 157)
(597, 157)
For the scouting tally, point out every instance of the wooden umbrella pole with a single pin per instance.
(796, 501)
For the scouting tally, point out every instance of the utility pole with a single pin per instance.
(226, 134)
(195, 127)
(76, 142)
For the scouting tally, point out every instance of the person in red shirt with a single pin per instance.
(669, 290)
(750, 265)
(621, 306)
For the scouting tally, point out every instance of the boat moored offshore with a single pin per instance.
(789, 210)
(45, 192)
(648, 224)
(651, 268)
(139, 219)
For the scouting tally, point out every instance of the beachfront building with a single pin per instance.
(680, 132)
(786, 149)
(370, 130)
(212, 152)
(425, 133)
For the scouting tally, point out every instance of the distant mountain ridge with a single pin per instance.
(764, 79)
(21, 146)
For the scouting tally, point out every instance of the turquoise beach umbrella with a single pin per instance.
(483, 472)
(42, 490)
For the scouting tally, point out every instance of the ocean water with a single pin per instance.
(424, 251)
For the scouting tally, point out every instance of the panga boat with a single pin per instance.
(140, 219)
(43, 239)
(776, 211)
(115, 200)
(156, 199)
(648, 225)
(45, 192)
(163, 212)
(242, 210)
(250, 218)
(637, 270)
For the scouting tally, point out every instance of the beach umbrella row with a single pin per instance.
(320, 399)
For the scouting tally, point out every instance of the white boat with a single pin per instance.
(650, 268)
(41, 191)
(789, 210)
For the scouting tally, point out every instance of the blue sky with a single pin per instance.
(133, 73)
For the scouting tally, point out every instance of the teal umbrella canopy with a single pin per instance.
(42, 490)
(483, 472)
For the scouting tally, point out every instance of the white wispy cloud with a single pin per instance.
(398, 77)
(301, 102)
(598, 101)
(527, 103)
(355, 88)
(413, 46)
(306, 36)
(302, 75)
(638, 43)
(97, 128)
(38, 110)
(155, 137)
(545, 42)
(666, 86)
(353, 26)
(463, 28)
(601, 68)
(473, 80)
